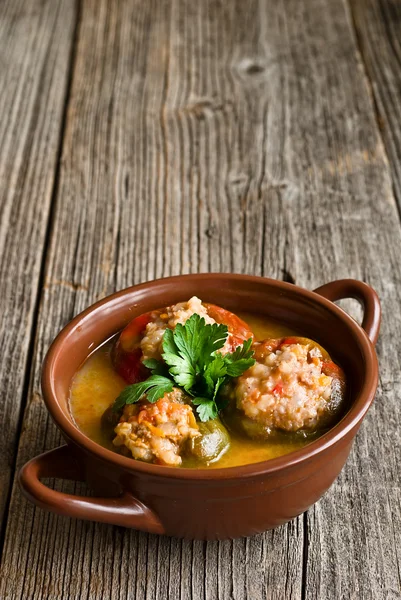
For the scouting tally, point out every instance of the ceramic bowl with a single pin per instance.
(216, 503)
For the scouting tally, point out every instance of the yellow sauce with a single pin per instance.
(96, 385)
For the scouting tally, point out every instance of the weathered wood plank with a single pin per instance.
(347, 225)
(140, 133)
(35, 42)
(219, 136)
(377, 24)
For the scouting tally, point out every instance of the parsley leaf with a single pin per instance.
(151, 363)
(214, 371)
(156, 366)
(205, 408)
(180, 368)
(219, 370)
(195, 342)
(192, 362)
(154, 387)
(240, 360)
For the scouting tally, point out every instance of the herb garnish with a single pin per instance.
(193, 363)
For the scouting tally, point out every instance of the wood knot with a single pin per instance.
(254, 69)
(251, 67)
(238, 179)
(211, 231)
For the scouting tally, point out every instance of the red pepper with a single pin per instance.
(131, 334)
(238, 330)
(129, 366)
(127, 351)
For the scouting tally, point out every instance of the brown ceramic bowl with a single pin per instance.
(217, 503)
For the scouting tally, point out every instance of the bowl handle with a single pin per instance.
(124, 510)
(352, 288)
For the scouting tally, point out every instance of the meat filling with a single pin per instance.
(151, 343)
(287, 388)
(156, 432)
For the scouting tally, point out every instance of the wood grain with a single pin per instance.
(224, 137)
(377, 24)
(131, 207)
(36, 40)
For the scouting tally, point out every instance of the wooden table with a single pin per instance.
(146, 138)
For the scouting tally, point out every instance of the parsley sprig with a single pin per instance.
(193, 363)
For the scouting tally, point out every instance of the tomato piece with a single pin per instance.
(278, 388)
(338, 385)
(238, 330)
(331, 369)
(265, 347)
(289, 341)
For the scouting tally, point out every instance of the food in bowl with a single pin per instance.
(227, 502)
(206, 388)
(142, 339)
(293, 386)
(158, 431)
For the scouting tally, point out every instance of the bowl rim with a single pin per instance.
(351, 419)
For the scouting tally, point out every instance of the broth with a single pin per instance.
(96, 385)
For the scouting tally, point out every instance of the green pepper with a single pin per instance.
(109, 420)
(237, 421)
(212, 444)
